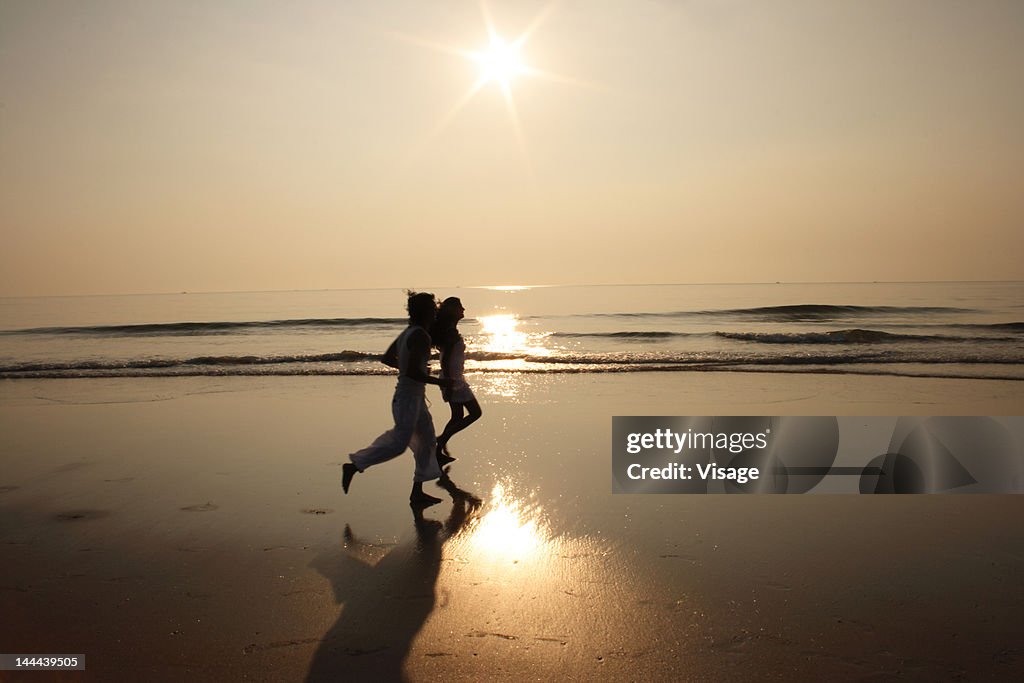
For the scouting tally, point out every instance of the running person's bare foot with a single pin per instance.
(419, 499)
(442, 455)
(348, 470)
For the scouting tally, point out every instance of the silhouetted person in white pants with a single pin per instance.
(414, 428)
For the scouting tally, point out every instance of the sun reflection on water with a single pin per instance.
(510, 288)
(501, 333)
(502, 346)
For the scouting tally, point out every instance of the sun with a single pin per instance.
(500, 62)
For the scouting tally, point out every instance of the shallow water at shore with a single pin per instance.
(909, 329)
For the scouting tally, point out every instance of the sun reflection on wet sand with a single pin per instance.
(523, 587)
(512, 533)
(510, 530)
(506, 385)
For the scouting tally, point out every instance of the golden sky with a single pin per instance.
(256, 145)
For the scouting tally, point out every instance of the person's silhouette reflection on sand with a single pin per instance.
(386, 603)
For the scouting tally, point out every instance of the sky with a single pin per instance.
(221, 145)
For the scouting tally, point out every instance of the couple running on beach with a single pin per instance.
(414, 427)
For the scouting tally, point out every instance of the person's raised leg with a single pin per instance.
(463, 415)
(473, 413)
(388, 445)
(443, 456)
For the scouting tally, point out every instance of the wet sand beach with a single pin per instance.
(194, 529)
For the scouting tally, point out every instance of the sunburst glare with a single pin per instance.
(500, 62)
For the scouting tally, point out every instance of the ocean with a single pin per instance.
(930, 329)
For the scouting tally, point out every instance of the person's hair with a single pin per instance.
(420, 305)
(443, 330)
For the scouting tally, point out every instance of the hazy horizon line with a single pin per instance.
(504, 286)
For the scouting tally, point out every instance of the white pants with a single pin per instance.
(414, 428)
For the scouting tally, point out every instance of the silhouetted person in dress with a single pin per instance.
(464, 406)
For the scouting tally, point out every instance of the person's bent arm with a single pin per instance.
(390, 357)
(419, 353)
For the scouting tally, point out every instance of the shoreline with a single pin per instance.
(14, 376)
(889, 390)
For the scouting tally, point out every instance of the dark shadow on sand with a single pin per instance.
(386, 603)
